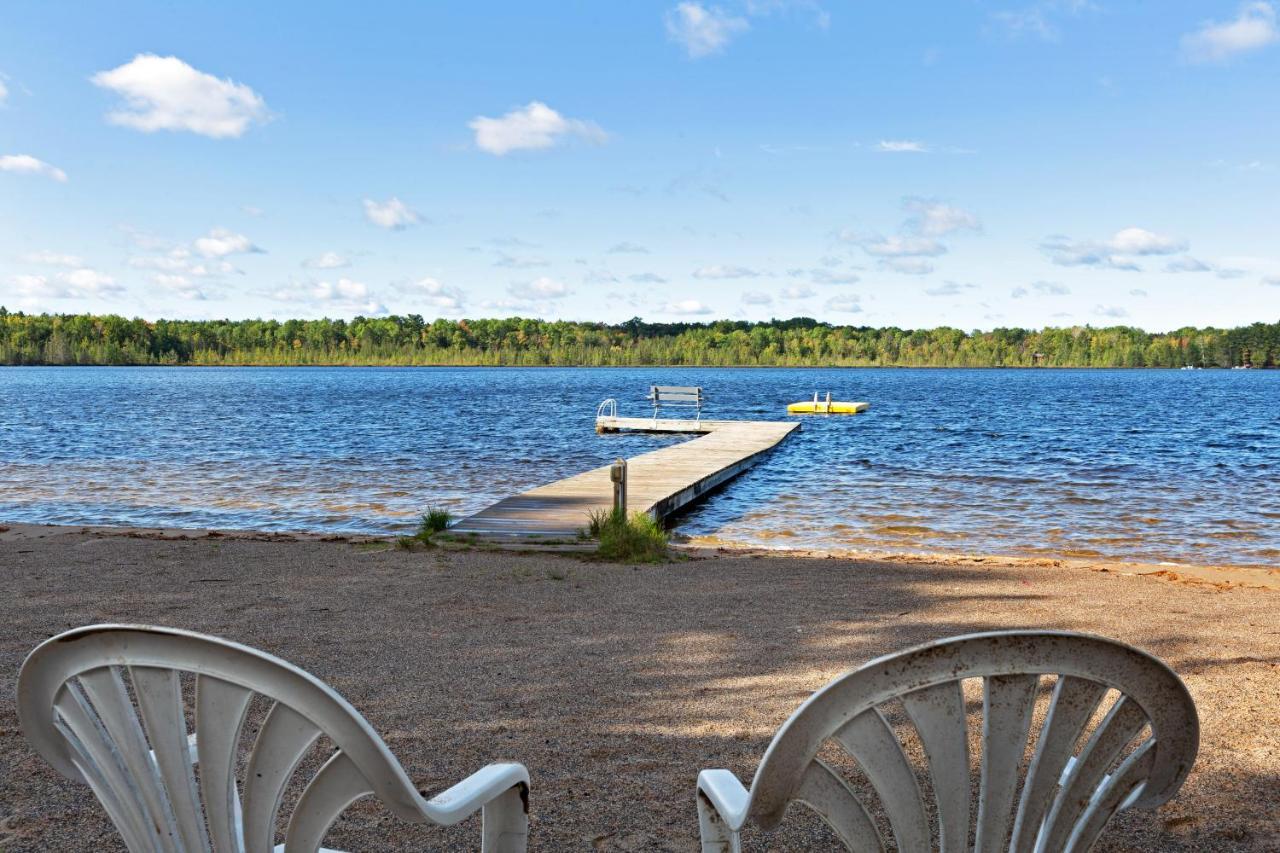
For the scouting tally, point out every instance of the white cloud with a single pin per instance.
(950, 288)
(4, 92)
(846, 304)
(392, 214)
(627, 247)
(1051, 288)
(1018, 292)
(902, 146)
(220, 242)
(907, 266)
(1137, 291)
(25, 164)
(519, 263)
(1271, 280)
(647, 278)
(53, 259)
(344, 295)
(716, 271)
(687, 308)
(327, 261)
(1111, 311)
(935, 219)
(703, 30)
(1140, 241)
(1187, 264)
(797, 291)
(826, 276)
(531, 127)
(443, 298)
(165, 93)
(541, 289)
(899, 246)
(79, 283)
(1253, 28)
(1116, 253)
(756, 297)
(180, 285)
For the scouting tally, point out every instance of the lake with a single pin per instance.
(1178, 466)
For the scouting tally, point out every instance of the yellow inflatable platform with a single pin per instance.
(826, 407)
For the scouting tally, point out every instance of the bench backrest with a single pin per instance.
(675, 395)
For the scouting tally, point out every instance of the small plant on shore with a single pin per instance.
(434, 520)
(637, 539)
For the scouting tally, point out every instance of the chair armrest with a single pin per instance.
(485, 785)
(726, 795)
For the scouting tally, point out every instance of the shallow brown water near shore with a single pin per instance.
(615, 684)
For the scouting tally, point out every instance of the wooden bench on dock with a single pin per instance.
(675, 396)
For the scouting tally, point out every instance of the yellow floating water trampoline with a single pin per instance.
(826, 407)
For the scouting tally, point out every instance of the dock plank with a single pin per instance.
(659, 482)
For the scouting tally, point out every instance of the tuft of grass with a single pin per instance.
(634, 539)
(434, 520)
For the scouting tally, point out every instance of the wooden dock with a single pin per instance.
(659, 482)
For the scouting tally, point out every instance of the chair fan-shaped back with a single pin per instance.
(1081, 772)
(104, 705)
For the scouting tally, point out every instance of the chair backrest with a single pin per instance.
(1139, 753)
(104, 705)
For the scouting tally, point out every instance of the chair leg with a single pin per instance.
(506, 822)
(717, 837)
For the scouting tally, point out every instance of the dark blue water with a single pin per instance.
(1179, 466)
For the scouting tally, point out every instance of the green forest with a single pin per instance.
(88, 339)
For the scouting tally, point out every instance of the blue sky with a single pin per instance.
(974, 164)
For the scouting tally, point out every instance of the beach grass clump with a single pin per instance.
(434, 520)
(628, 539)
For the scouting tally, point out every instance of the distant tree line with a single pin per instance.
(410, 340)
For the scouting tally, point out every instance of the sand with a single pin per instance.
(616, 684)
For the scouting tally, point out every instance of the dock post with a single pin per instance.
(618, 474)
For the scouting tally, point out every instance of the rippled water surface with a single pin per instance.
(1149, 465)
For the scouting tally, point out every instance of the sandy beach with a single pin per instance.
(616, 684)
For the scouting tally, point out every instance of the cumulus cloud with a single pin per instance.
(820, 275)
(519, 263)
(1113, 312)
(53, 259)
(627, 247)
(902, 146)
(541, 289)
(717, 271)
(531, 127)
(165, 93)
(1187, 264)
(899, 246)
(950, 288)
(756, 297)
(344, 295)
(1271, 281)
(908, 266)
(646, 278)
(80, 283)
(846, 304)
(797, 291)
(686, 308)
(4, 91)
(1050, 288)
(25, 164)
(1253, 28)
(932, 218)
(180, 286)
(1137, 291)
(1118, 252)
(220, 242)
(327, 261)
(392, 214)
(703, 30)
(441, 297)
(1018, 292)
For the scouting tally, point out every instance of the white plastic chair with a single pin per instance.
(78, 709)
(1067, 798)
